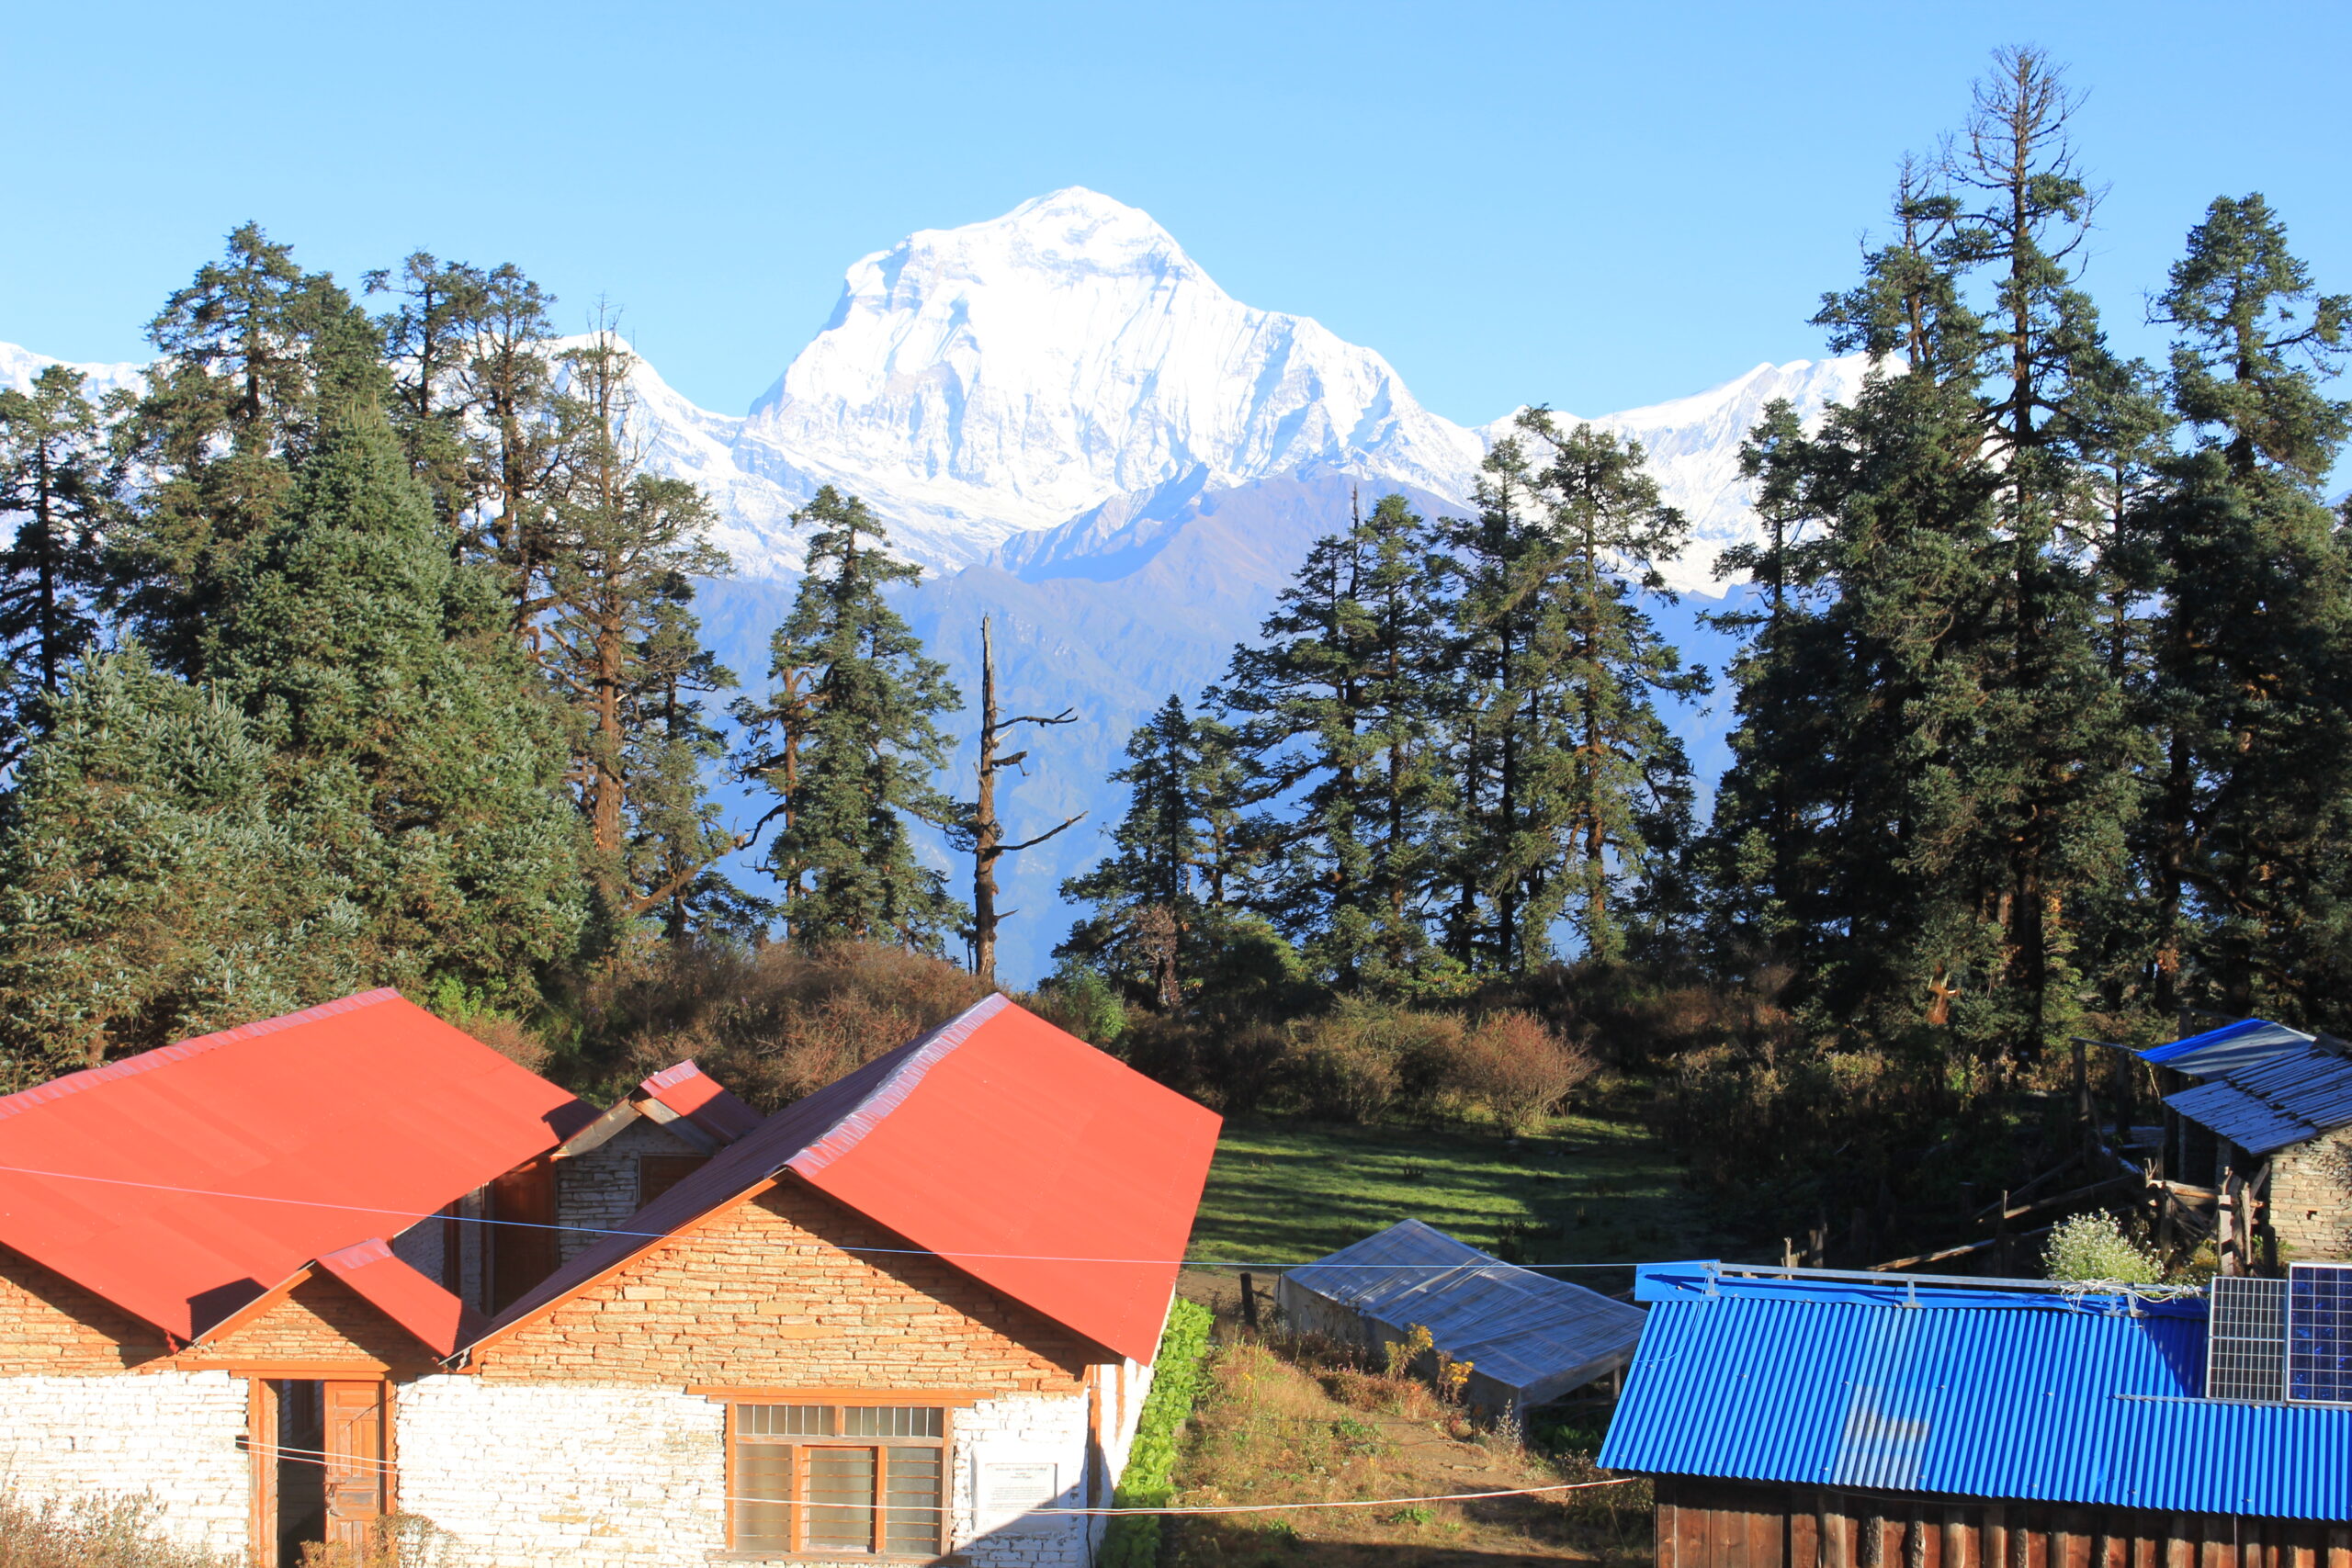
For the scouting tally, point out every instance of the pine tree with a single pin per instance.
(1161, 897)
(1582, 779)
(2253, 819)
(257, 356)
(518, 441)
(623, 549)
(848, 742)
(54, 475)
(430, 336)
(1338, 731)
(412, 742)
(151, 888)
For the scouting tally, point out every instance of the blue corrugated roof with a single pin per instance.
(1521, 1328)
(2267, 1086)
(1981, 1393)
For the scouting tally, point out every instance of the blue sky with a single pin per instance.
(1599, 206)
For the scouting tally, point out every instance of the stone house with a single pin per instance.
(2263, 1113)
(294, 1277)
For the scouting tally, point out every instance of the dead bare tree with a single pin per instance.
(981, 831)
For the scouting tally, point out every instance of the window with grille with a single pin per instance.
(838, 1480)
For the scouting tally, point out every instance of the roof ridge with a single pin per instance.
(24, 1100)
(928, 1051)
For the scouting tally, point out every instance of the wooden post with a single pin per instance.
(2226, 1239)
(1249, 1299)
(2083, 1110)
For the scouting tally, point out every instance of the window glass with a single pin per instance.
(892, 1421)
(785, 1420)
(761, 1493)
(841, 1499)
(911, 1514)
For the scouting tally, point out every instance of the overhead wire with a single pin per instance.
(415, 1218)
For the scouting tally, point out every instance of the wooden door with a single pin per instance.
(357, 1454)
(522, 1250)
(261, 1441)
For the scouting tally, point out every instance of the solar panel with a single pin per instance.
(2246, 1341)
(2319, 1332)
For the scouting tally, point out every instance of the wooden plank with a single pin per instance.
(1668, 1527)
(261, 1443)
(755, 1394)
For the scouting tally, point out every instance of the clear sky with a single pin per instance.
(1598, 206)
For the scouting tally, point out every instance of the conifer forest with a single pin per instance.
(359, 647)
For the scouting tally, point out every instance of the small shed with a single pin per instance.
(1529, 1338)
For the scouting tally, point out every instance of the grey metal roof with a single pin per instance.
(2267, 1086)
(1521, 1328)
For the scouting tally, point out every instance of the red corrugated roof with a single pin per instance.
(1041, 1166)
(298, 1135)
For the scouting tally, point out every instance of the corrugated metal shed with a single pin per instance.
(2267, 1086)
(1047, 1171)
(180, 1183)
(2004, 1393)
(1531, 1336)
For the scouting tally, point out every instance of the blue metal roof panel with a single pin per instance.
(2247, 1042)
(2047, 1399)
(1520, 1328)
(2253, 1124)
(2265, 1085)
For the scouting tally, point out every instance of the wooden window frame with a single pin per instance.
(839, 1402)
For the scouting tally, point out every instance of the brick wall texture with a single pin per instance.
(322, 1322)
(48, 1324)
(2310, 1198)
(766, 1296)
(598, 1190)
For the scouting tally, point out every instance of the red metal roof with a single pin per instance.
(696, 1096)
(439, 1319)
(285, 1139)
(1041, 1166)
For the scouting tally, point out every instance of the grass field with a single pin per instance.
(1591, 1190)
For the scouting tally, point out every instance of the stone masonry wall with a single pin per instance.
(48, 1324)
(170, 1435)
(323, 1321)
(598, 1190)
(2310, 1198)
(525, 1475)
(766, 1297)
(522, 1475)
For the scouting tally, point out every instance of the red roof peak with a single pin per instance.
(89, 1078)
(921, 1055)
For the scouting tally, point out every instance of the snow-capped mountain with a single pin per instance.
(1060, 414)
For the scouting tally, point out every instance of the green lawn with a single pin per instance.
(1592, 1190)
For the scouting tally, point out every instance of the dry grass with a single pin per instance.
(1297, 1422)
(89, 1533)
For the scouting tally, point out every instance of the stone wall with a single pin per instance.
(525, 1475)
(521, 1476)
(598, 1190)
(322, 1322)
(169, 1435)
(50, 1325)
(2310, 1198)
(792, 1291)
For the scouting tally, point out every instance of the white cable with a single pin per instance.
(415, 1218)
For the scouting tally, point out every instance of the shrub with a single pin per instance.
(111, 1533)
(1366, 1058)
(2093, 1249)
(774, 1023)
(1077, 998)
(1133, 1540)
(1518, 1069)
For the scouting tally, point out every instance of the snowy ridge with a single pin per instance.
(1050, 390)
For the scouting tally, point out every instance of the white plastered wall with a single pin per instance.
(520, 1475)
(169, 1436)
